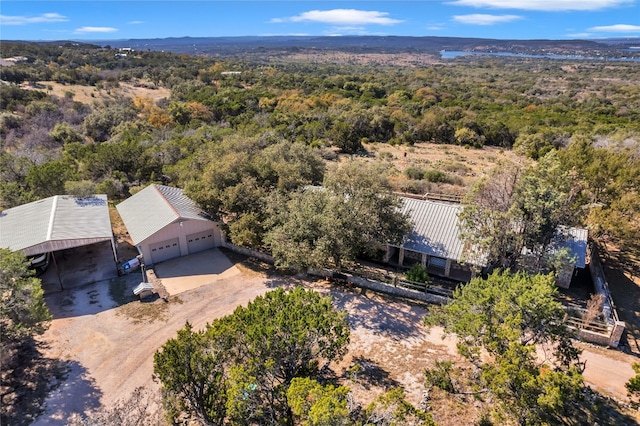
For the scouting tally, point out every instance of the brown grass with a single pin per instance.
(464, 165)
(90, 94)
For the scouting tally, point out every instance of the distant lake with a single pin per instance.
(452, 54)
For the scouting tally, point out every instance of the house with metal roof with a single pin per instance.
(164, 223)
(434, 240)
(436, 244)
(56, 223)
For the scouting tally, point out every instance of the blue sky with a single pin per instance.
(505, 19)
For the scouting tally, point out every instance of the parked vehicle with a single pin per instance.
(39, 263)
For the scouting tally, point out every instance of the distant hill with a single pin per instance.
(223, 46)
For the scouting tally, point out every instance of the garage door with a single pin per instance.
(164, 250)
(201, 241)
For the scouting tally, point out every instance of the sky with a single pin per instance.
(503, 19)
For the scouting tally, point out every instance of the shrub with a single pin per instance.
(436, 176)
(415, 173)
(418, 274)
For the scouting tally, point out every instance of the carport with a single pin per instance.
(57, 223)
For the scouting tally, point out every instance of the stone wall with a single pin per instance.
(249, 252)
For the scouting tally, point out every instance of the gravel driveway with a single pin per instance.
(109, 348)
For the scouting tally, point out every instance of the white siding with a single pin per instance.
(175, 230)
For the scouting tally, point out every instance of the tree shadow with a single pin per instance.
(395, 318)
(91, 299)
(372, 311)
(33, 383)
(626, 296)
(76, 393)
(594, 408)
(367, 374)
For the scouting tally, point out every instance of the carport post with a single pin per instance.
(115, 253)
(55, 264)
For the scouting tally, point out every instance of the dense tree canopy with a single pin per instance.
(353, 214)
(241, 366)
(519, 210)
(23, 312)
(23, 315)
(509, 316)
(121, 140)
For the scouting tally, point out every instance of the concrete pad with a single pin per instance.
(188, 272)
(78, 266)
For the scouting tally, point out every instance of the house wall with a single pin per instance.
(405, 258)
(179, 229)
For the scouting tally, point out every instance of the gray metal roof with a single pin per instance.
(55, 223)
(435, 228)
(155, 207)
(435, 232)
(575, 239)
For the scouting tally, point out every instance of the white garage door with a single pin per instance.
(164, 250)
(201, 241)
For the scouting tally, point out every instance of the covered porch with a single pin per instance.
(438, 266)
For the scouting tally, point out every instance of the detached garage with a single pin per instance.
(164, 223)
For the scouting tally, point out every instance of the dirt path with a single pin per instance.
(110, 354)
(607, 370)
(110, 349)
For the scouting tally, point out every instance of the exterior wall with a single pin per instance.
(452, 269)
(179, 229)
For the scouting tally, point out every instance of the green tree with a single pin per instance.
(23, 312)
(354, 214)
(633, 385)
(239, 175)
(486, 220)
(509, 316)
(543, 200)
(316, 405)
(63, 133)
(241, 366)
(393, 409)
(79, 188)
(514, 210)
(609, 189)
(191, 369)
(48, 179)
(100, 124)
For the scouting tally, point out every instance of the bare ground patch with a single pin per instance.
(112, 350)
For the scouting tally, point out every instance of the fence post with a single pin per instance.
(616, 334)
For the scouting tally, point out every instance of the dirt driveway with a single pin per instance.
(109, 346)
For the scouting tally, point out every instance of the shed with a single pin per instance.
(57, 223)
(164, 223)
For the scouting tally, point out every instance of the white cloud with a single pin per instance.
(543, 5)
(341, 17)
(482, 19)
(617, 28)
(26, 20)
(135, 22)
(436, 27)
(90, 30)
